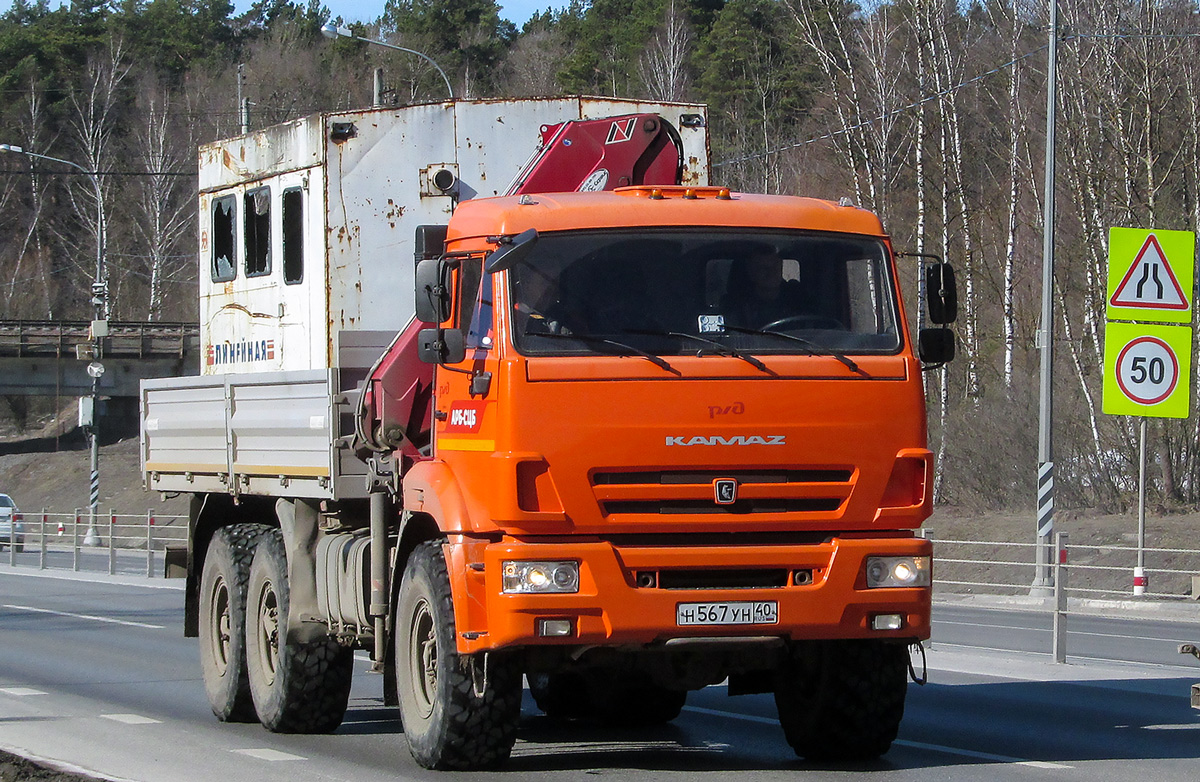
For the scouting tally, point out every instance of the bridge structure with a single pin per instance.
(50, 358)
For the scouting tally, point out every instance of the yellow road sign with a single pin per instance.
(1147, 370)
(1150, 275)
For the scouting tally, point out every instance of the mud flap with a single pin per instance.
(924, 677)
(298, 522)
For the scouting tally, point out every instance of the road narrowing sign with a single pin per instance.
(1147, 370)
(1150, 275)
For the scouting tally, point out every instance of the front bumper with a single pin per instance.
(610, 609)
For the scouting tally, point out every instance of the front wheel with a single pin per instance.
(297, 687)
(459, 711)
(843, 700)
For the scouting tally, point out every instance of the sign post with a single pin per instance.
(1148, 368)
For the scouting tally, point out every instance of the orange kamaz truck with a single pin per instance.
(613, 444)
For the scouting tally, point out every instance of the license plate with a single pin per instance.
(748, 612)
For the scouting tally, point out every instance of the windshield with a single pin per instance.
(679, 292)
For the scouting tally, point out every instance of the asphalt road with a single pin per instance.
(96, 675)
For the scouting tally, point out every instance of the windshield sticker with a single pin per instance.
(712, 324)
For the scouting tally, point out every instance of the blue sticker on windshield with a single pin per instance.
(712, 324)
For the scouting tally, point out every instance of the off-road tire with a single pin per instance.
(605, 698)
(459, 711)
(296, 687)
(223, 582)
(843, 700)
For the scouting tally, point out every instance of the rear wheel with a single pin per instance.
(843, 700)
(459, 711)
(296, 687)
(222, 624)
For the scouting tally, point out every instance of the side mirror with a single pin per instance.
(943, 293)
(509, 255)
(433, 291)
(441, 346)
(935, 346)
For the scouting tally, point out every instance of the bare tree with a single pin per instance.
(93, 122)
(31, 261)
(532, 65)
(165, 204)
(663, 64)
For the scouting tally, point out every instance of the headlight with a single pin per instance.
(897, 572)
(541, 577)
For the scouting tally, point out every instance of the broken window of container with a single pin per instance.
(224, 259)
(293, 236)
(257, 207)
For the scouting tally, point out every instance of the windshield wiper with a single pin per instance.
(718, 348)
(811, 348)
(628, 349)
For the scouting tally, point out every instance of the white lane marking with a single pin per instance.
(93, 618)
(745, 717)
(969, 753)
(1171, 727)
(268, 754)
(21, 692)
(131, 719)
(992, 627)
(914, 744)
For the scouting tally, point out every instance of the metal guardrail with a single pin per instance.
(1096, 570)
(120, 543)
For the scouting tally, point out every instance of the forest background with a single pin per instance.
(930, 113)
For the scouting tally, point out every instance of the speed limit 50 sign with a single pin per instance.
(1147, 370)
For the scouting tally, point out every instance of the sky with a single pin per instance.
(515, 11)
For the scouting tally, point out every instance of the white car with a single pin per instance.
(12, 530)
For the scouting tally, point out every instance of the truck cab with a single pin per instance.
(679, 436)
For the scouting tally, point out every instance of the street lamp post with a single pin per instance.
(1043, 579)
(330, 30)
(99, 331)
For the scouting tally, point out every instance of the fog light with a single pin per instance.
(540, 577)
(887, 622)
(897, 572)
(555, 628)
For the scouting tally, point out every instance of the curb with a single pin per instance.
(95, 578)
(1146, 609)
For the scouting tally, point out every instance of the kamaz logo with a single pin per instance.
(771, 439)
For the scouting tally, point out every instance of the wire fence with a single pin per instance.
(118, 543)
